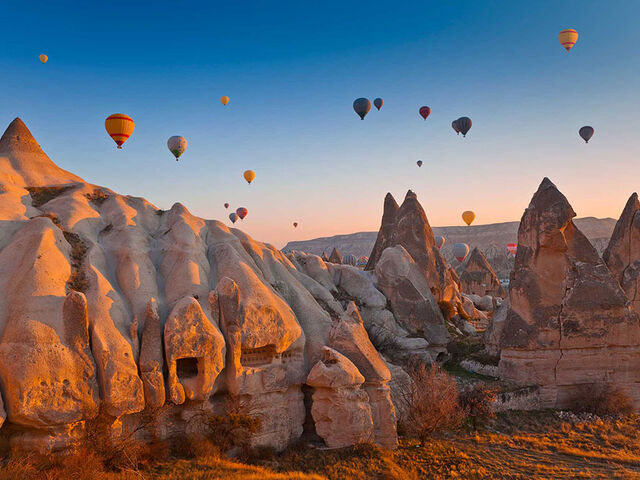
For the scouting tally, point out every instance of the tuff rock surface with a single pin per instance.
(569, 324)
(478, 277)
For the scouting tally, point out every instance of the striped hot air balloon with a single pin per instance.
(119, 127)
(362, 261)
(349, 259)
(568, 38)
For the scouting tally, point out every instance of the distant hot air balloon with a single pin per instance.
(513, 248)
(419, 162)
(349, 259)
(362, 106)
(460, 251)
(454, 125)
(43, 58)
(424, 112)
(224, 99)
(177, 145)
(440, 240)
(378, 103)
(464, 124)
(242, 212)
(249, 175)
(468, 217)
(233, 216)
(586, 133)
(119, 127)
(568, 38)
(226, 205)
(295, 224)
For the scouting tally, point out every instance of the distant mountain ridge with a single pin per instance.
(492, 239)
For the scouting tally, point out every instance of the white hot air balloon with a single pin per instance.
(177, 145)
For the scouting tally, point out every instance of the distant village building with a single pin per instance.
(478, 278)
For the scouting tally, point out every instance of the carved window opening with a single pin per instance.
(187, 367)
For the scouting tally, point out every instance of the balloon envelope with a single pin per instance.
(226, 205)
(295, 224)
(419, 162)
(460, 251)
(568, 38)
(349, 259)
(361, 106)
(513, 248)
(177, 145)
(224, 99)
(242, 212)
(440, 241)
(119, 127)
(233, 217)
(586, 133)
(378, 103)
(424, 112)
(249, 175)
(362, 261)
(468, 217)
(43, 58)
(464, 124)
(454, 125)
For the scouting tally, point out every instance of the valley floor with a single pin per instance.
(518, 445)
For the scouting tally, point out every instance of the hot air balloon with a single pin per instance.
(464, 124)
(233, 216)
(249, 175)
(242, 212)
(460, 251)
(295, 224)
(513, 248)
(43, 58)
(362, 106)
(468, 217)
(177, 145)
(419, 163)
(362, 261)
(586, 133)
(440, 240)
(226, 205)
(349, 259)
(424, 112)
(119, 127)
(568, 38)
(454, 125)
(224, 99)
(378, 103)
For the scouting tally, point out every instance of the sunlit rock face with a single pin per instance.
(110, 304)
(569, 324)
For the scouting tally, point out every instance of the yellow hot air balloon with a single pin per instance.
(224, 99)
(249, 175)
(119, 127)
(568, 38)
(468, 217)
(43, 58)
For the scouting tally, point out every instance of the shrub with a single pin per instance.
(42, 195)
(447, 309)
(602, 400)
(97, 196)
(477, 404)
(429, 402)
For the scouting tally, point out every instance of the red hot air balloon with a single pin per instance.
(460, 251)
(295, 224)
(226, 205)
(424, 112)
(242, 212)
(513, 248)
(378, 102)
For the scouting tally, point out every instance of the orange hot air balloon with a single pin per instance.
(119, 127)
(43, 58)
(568, 38)
(224, 99)
(242, 212)
(468, 217)
(249, 175)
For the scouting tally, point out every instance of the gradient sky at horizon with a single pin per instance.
(292, 71)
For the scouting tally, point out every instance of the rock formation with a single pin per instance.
(110, 303)
(335, 257)
(622, 255)
(569, 323)
(478, 277)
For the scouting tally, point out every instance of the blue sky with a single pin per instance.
(292, 71)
